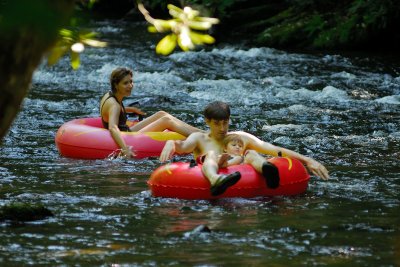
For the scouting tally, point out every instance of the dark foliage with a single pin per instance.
(314, 24)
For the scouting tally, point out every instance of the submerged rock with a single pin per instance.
(24, 212)
(201, 229)
(198, 231)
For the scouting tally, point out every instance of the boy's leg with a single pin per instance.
(219, 183)
(210, 167)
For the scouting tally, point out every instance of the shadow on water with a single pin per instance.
(335, 108)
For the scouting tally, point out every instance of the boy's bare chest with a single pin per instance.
(209, 144)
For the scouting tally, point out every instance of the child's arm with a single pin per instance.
(236, 160)
(224, 160)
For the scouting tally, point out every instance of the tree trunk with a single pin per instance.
(27, 30)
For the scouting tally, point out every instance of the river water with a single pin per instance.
(341, 110)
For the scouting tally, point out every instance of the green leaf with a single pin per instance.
(94, 43)
(198, 38)
(174, 8)
(163, 25)
(152, 29)
(87, 35)
(66, 33)
(75, 60)
(56, 53)
(166, 45)
(199, 25)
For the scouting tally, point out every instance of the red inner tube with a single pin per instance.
(180, 180)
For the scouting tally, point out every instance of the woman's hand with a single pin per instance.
(135, 110)
(128, 152)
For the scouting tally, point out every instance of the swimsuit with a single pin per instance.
(200, 159)
(122, 115)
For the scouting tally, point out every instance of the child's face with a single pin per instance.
(234, 148)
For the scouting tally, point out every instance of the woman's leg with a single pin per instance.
(142, 124)
(161, 121)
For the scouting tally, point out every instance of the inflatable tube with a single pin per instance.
(87, 139)
(180, 180)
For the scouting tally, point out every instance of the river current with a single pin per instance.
(343, 110)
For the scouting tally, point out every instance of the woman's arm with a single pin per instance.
(135, 110)
(113, 118)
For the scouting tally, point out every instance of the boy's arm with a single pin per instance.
(260, 146)
(177, 146)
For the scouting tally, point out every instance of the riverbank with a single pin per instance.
(314, 25)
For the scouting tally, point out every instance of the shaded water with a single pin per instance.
(343, 111)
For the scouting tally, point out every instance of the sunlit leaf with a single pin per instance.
(211, 20)
(94, 43)
(66, 33)
(88, 35)
(73, 41)
(190, 13)
(56, 53)
(184, 21)
(163, 25)
(152, 29)
(77, 47)
(75, 60)
(175, 14)
(184, 42)
(207, 39)
(199, 25)
(199, 38)
(174, 8)
(166, 45)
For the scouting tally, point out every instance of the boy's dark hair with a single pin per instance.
(217, 110)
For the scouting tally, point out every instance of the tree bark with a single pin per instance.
(24, 40)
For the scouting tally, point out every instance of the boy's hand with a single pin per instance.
(317, 169)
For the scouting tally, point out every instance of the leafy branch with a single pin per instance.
(73, 41)
(184, 27)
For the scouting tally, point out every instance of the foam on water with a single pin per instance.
(393, 99)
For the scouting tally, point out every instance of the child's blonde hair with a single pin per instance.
(232, 138)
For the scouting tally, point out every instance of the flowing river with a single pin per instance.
(343, 110)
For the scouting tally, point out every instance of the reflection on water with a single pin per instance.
(341, 110)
